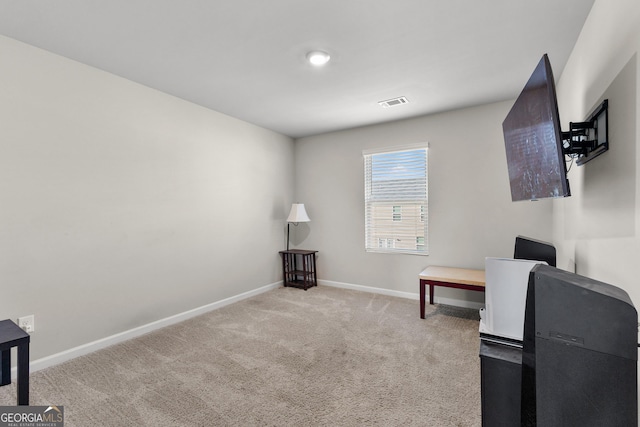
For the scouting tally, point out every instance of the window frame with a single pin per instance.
(413, 211)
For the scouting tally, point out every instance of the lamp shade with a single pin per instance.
(298, 214)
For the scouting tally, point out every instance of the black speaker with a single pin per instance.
(579, 359)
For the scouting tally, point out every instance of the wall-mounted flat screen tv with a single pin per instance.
(533, 140)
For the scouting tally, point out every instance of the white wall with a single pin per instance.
(597, 229)
(471, 215)
(121, 205)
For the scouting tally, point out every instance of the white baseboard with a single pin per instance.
(81, 350)
(370, 289)
(408, 295)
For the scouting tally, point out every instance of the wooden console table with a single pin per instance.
(299, 268)
(461, 278)
(13, 336)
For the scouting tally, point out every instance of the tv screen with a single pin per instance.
(533, 140)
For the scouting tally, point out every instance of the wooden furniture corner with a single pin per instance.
(13, 336)
(451, 277)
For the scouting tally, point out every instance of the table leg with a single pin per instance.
(305, 276)
(23, 374)
(5, 373)
(422, 297)
(284, 269)
(315, 276)
(431, 287)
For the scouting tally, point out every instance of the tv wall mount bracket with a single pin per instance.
(587, 140)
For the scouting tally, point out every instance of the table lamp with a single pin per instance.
(296, 215)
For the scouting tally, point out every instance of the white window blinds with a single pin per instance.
(396, 201)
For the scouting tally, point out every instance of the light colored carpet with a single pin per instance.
(325, 357)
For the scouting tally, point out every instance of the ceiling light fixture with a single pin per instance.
(318, 57)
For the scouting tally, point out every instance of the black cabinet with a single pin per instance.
(501, 380)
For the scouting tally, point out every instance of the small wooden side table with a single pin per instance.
(299, 268)
(13, 336)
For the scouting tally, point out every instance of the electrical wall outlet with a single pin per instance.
(27, 323)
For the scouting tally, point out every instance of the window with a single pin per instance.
(397, 213)
(385, 243)
(396, 202)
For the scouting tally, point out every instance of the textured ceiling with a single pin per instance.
(246, 58)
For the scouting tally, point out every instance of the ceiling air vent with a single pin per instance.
(393, 102)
